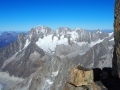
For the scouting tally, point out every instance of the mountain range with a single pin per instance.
(44, 57)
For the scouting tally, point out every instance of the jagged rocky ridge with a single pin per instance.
(46, 56)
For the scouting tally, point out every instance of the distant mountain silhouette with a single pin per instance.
(7, 37)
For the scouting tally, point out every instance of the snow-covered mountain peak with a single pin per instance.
(63, 30)
(38, 32)
(41, 29)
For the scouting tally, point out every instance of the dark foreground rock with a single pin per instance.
(108, 80)
(116, 54)
(105, 76)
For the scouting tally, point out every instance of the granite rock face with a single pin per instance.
(116, 54)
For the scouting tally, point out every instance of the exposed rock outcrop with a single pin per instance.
(83, 79)
(116, 58)
(95, 86)
(81, 76)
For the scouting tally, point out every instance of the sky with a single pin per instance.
(22, 15)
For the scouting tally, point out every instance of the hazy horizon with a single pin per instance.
(104, 30)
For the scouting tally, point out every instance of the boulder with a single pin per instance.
(81, 76)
